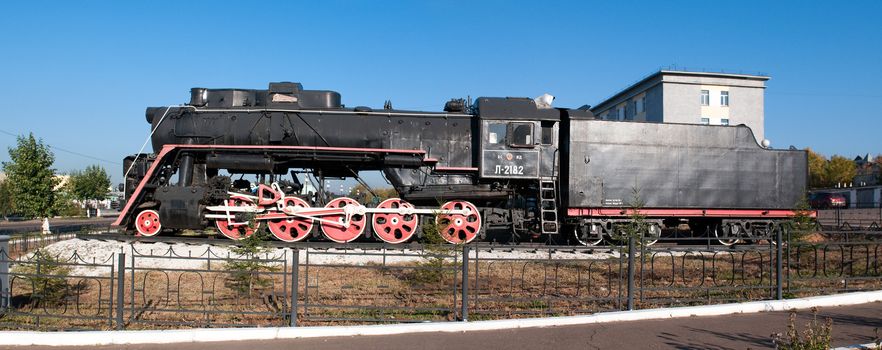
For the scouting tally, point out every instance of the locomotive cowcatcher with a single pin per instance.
(496, 169)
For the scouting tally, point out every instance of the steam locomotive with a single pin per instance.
(496, 167)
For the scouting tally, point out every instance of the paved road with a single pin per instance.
(851, 325)
(7, 227)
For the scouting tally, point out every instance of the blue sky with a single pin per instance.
(79, 74)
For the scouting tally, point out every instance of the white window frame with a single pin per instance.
(724, 98)
(724, 121)
(705, 121)
(705, 97)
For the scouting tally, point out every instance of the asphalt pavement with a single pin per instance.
(851, 325)
(9, 227)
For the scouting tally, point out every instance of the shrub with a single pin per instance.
(801, 223)
(47, 278)
(816, 335)
(247, 270)
(433, 268)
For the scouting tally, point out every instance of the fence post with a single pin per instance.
(295, 281)
(465, 283)
(120, 289)
(779, 264)
(630, 272)
(5, 293)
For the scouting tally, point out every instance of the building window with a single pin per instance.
(639, 104)
(705, 97)
(620, 113)
(724, 121)
(705, 121)
(724, 98)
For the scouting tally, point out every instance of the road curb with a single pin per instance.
(91, 338)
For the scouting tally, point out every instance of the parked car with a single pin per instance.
(826, 200)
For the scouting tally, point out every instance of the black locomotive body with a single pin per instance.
(506, 167)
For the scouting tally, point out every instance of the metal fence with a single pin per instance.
(194, 286)
(865, 217)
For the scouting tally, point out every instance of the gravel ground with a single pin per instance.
(192, 256)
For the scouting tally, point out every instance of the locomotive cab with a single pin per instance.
(518, 139)
(519, 149)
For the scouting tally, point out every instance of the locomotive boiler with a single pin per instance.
(498, 168)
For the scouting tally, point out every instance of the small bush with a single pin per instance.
(433, 268)
(801, 223)
(816, 336)
(246, 272)
(49, 284)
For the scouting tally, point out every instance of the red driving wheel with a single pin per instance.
(233, 229)
(147, 223)
(336, 230)
(459, 228)
(394, 228)
(292, 229)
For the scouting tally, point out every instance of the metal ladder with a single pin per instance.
(548, 206)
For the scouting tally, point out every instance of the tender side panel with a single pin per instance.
(679, 166)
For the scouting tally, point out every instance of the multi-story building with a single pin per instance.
(670, 96)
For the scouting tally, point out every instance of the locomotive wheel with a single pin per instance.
(458, 228)
(237, 231)
(293, 229)
(337, 232)
(394, 228)
(727, 234)
(653, 233)
(587, 238)
(147, 223)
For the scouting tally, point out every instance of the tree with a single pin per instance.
(31, 177)
(7, 205)
(93, 183)
(361, 194)
(877, 163)
(817, 173)
(839, 170)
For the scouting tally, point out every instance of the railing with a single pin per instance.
(157, 286)
(851, 219)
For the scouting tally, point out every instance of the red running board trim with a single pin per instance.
(168, 148)
(302, 148)
(712, 213)
(141, 184)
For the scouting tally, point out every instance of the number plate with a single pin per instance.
(510, 164)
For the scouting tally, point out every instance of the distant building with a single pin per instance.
(670, 96)
(868, 172)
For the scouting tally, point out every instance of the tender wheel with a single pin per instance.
(727, 234)
(458, 228)
(589, 236)
(233, 229)
(147, 223)
(292, 229)
(338, 231)
(394, 228)
(653, 233)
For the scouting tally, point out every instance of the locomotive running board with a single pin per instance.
(166, 149)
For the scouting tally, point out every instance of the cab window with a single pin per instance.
(521, 135)
(496, 133)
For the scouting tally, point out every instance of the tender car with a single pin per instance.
(825, 200)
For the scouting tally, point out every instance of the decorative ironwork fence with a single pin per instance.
(193, 286)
